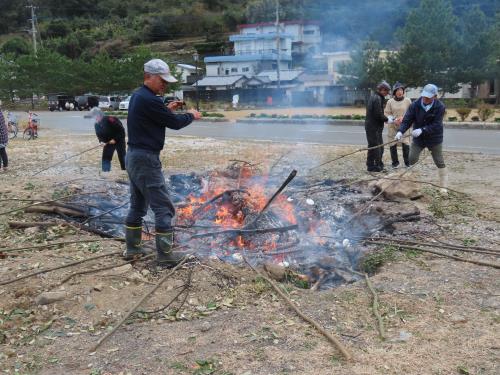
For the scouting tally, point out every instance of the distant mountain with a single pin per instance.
(76, 27)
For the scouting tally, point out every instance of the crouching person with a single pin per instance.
(111, 133)
(426, 115)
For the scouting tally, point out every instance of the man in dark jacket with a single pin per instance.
(147, 119)
(374, 126)
(426, 115)
(111, 133)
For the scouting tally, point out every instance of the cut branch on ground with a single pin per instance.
(347, 355)
(136, 306)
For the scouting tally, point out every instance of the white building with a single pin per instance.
(256, 48)
(186, 71)
(306, 35)
(248, 64)
(250, 44)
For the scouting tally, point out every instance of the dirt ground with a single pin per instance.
(441, 316)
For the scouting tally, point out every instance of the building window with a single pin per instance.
(245, 69)
(492, 87)
(234, 70)
(308, 32)
(274, 66)
(227, 72)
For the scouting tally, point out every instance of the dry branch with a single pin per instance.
(330, 337)
(375, 304)
(105, 213)
(289, 179)
(466, 247)
(65, 159)
(442, 245)
(50, 201)
(354, 152)
(184, 287)
(132, 310)
(218, 196)
(417, 182)
(473, 261)
(367, 204)
(58, 267)
(31, 224)
(244, 231)
(94, 270)
(54, 244)
(52, 209)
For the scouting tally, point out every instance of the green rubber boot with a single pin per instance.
(133, 237)
(164, 247)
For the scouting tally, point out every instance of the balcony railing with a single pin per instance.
(261, 52)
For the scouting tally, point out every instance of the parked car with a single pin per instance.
(123, 106)
(87, 101)
(60, 102)
(109, 102)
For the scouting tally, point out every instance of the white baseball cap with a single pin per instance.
(159, 67)
(96, 112)
(429, 91)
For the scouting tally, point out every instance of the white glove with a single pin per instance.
(416, 133)
(390, 119)
(398, 136)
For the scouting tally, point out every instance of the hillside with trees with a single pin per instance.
(83, 44)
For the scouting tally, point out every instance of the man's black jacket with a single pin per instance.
(375, 117)
(147, 119)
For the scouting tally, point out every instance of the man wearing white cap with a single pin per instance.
(146, 122)
(426, 115)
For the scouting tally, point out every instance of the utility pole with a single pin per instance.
(33, 27)
(278, 44)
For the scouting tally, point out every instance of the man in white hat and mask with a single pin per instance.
(146, 122)
(426, 115)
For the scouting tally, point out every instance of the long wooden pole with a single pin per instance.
(315, 324)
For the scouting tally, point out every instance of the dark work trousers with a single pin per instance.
(436, 152)
(374, 138)
(109, 150)
(394, 154)
(148, 189)
(4, 160)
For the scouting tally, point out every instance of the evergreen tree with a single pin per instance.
(367, 67)
(476, 46)
(430, 46)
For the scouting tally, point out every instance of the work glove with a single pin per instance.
(398, 136)
(416, 133)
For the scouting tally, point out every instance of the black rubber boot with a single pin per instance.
(406, 154)
(394, 156)
(164, 248)
(133, 237)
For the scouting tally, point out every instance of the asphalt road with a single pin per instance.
(485, 141)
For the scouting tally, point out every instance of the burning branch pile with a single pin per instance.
(240, 212)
